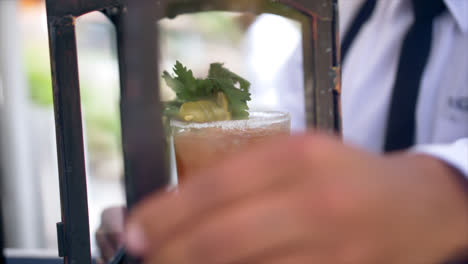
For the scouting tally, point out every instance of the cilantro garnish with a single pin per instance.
(219, 80)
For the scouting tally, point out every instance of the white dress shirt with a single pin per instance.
(369, 74)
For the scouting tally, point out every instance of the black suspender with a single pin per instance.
(401, 125)
(359, 20)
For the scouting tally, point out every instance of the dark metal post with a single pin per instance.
(322, 69)
(73, 232)
(142, 129)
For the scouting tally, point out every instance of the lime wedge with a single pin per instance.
(224, 104)
(206, 110)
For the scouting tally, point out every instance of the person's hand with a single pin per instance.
(109, 235)
(307, 199)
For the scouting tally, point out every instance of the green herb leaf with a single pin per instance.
(237, 98)
(217, 71)
(185, 76)
(172, 108)
(227, 82)
(183, 83)
(220, 79)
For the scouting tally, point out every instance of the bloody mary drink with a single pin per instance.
(199, 145)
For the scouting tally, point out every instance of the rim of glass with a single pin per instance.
(257, 119)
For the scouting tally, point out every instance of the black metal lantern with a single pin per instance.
(144, 156)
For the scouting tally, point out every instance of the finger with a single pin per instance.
(112, 219)
(239, 178)
(106, 247)
(116, 240)
(239, 235)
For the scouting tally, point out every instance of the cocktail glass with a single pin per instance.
(199, 145)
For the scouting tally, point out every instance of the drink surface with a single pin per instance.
(201, 145)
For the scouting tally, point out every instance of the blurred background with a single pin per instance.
(266, 49)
